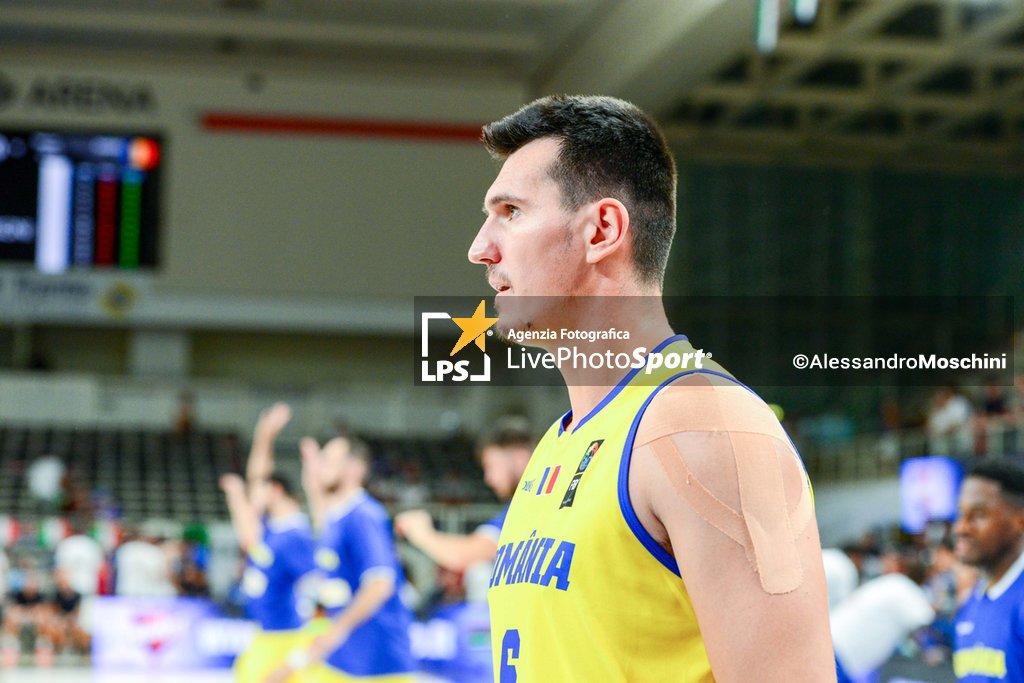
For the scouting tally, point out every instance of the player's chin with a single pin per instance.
(966, 552)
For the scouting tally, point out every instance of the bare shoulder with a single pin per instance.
(712, 456)
(711, 424)
(707, 404)
(723, 489)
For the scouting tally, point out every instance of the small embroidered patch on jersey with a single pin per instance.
(570, 493)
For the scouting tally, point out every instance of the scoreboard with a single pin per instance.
(73, 200)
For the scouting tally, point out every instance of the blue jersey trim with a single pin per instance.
(295, 521)
(616, 389)
(625, 504)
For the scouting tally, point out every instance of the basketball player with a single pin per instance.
(368, 638)
(684, 547)
(278, 543)
(989, 640)
(504, 455)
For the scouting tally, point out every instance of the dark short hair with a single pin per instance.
(1008, 474)
(282, 481)
(509, 432)
(609, 148)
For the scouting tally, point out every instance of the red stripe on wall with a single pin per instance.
(367, 128)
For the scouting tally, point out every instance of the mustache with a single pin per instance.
(494, 273)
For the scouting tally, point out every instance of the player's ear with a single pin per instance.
(607, 228)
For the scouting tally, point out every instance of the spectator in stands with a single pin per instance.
(940, 587)
(412, 491)
(456, 489)
(77, 500)
(449, 590)
(185, 418)
(894, 560)
(45, 479)
(865, 553)
(62, 624)
(892, 422)
(1017, 398)
(5, 569)
(83, 559)
(25, 613)
(995, 403)
(949, 423)
(143, 568)
(1015, 417)
(197, 542)
(192, 581)
(991, 422)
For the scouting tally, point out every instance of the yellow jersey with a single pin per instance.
(580, 590)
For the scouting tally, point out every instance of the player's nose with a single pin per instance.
(960, 528)
(483, 250)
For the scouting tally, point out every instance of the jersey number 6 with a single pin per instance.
(509, 652)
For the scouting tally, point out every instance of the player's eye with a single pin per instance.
(511, 211)
(975, 515)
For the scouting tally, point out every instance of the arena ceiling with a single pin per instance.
(935, 83)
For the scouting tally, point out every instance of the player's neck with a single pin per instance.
(343, 495)
(284, 510)
(588, 387)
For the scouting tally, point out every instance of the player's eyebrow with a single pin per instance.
(503, 199)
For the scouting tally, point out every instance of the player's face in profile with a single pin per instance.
(332, 467)
(274, 495)
(261, 495)
(530, 243)
(354, 471)
(498, 475)
(988, 526)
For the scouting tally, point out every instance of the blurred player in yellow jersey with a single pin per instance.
(504, 455)
(664, 529)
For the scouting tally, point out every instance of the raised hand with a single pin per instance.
(273, 420)
(232, 484)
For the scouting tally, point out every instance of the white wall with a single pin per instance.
(316, 216)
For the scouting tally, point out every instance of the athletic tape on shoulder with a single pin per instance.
(766, 524)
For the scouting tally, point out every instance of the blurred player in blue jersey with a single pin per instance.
(278, 542)
(368, 638)
(989, 640)
(504, 454)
